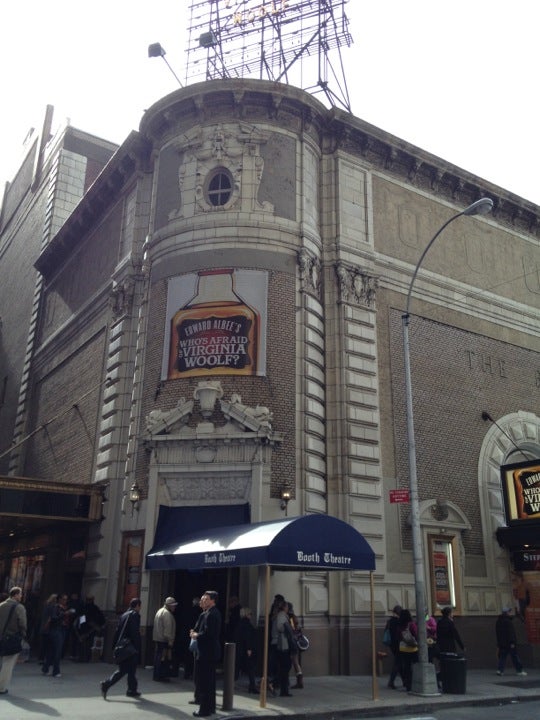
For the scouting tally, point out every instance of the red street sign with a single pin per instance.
(399, 496)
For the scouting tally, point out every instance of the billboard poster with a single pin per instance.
(215, 324)
(521, 485)
(442, 572)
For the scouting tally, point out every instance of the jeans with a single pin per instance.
(503, 654)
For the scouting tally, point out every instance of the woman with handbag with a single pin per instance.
(12, 632)
(408, 647)
(127, 650)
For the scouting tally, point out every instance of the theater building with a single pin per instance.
(216, 340)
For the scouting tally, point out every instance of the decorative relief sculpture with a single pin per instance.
(248, 419)
(356, 286)
(310, 272)
(122, 297)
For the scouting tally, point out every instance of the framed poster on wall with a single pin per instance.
(443, 581)
(215, 324)
(131, 557)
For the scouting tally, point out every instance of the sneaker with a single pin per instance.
(133, 693)
(522, 673)
(499, 672)
(104, 689)
(58, 675)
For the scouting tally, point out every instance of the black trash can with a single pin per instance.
(453, 673)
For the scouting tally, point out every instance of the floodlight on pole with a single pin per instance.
(424, 678)
(157, 50)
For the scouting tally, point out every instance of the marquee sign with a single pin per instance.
(521, 486)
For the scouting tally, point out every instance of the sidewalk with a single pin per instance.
(76, 696)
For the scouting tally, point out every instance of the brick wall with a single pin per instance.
(68, 395)
(456, 374)
(276, 390)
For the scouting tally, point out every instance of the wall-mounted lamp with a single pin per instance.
(285, 497)
(134, 497)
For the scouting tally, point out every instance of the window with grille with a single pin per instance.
(219, 187)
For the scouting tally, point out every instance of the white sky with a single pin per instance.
(458, 79)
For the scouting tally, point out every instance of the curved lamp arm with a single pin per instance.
(480, 207)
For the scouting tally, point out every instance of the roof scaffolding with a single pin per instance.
(290, 41)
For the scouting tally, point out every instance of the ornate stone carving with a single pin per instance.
(356, 286)
(158, 421)
(310, 272)
(206, 149)
(122, 297)
(215, 487)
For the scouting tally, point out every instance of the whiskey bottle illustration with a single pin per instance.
(216, 332)
(527, 486)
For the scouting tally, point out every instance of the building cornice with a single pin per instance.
(286, 107)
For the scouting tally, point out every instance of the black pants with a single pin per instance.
(246, 664)
(284, 663)
(160, 671)
(129, 668)
(205, 685)
(407, 660)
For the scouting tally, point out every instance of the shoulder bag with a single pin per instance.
(124, 648)
(408, 641)
(10, 643)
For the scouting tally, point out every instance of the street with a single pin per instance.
(507, 711)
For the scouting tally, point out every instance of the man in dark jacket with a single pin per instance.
(209, 650)
(129, 626)
(12, 621)
(447, 633)
(506, 642)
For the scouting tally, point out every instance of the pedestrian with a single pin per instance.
(394, 636)
(506, 642)
(52, 631)
(283, 649)
(164, 634)
(208, 642)
(408, 647)
(233, 618)
(129, 626)
(73, 642)
(295, 651)
(431, 636)
(447, 633)
(193, 617)
(194, 652)
(67, 614)
(89, 625)
(273, 679)
(12, 621)
(246, 646)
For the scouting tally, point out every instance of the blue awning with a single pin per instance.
(176, 523)
(310, 542)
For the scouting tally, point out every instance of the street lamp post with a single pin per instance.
(424, 679)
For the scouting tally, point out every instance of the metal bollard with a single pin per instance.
(229, 661)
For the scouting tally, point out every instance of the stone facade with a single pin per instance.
(329, 216)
